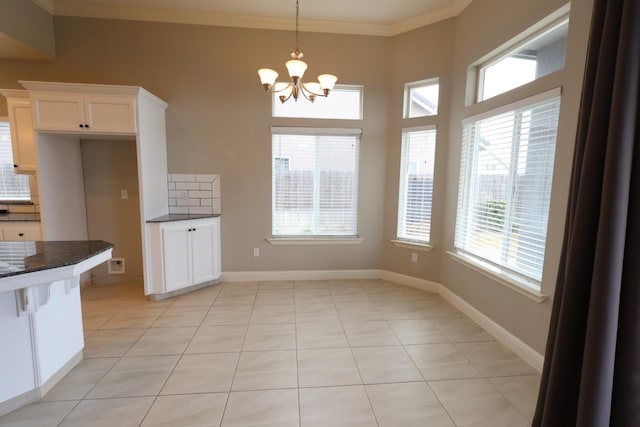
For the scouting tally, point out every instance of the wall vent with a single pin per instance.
(115, 266)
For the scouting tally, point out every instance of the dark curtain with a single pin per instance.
(591, 373)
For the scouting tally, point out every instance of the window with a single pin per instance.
(421, 98)
(344, 102)
(12, 186)
(505, 186)
(537, 56)
(416, 184)
(317, 195)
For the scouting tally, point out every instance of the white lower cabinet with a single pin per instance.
(190, 252)
(21, 231)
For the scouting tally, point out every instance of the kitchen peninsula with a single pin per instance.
(40, 314)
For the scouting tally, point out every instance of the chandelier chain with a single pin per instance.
(297, 24)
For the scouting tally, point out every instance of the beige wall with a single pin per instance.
(109, 167)
(479, 30)
(218, 121)
(26, 30)
(219, 118)
(421, 54)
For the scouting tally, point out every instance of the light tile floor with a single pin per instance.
(300, 354)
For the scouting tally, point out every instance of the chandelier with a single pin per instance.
(296, 68)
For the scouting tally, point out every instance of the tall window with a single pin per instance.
(12, 185)
(505, 186)
(317, 193)
(416, 184)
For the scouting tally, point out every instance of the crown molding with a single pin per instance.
(45, 4)
(76, 8)
(429, 18)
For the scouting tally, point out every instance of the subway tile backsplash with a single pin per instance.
(194, 193)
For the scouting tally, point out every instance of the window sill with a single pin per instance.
(412, 245)
(16, 202)
(501, 278)
(314, 240)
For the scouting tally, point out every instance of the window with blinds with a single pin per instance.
(505, 186)
(417, 161)
(12, 186)
(315, 192)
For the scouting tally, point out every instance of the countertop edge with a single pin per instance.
(180, 217)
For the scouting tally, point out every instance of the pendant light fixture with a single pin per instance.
(296, 68)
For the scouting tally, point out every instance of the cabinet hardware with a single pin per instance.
(15, 166)
(21, 234)
(81, 126)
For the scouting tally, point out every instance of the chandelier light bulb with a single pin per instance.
(296, 68)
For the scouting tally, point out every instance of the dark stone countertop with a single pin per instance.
(20, 217)
(30, 256)
(181, 217)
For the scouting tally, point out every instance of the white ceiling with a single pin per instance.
(372, 17)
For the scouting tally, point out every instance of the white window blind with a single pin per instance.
(317, 194)
(416, 184)
(505, 186)
(12, 186)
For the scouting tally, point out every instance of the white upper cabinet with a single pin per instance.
(22, 137)
(95, 113)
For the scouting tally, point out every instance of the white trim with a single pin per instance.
(60, 373)
(19, 401)
(502, 335)
(540, 97)
(506, 338)
(288, 130)
(503, 279)
(200, 17)
(425, 247)
(45, 4)
(265, 276)
(414, 282)
(314, 240)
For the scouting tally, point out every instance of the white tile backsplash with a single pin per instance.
(194, 193)
(187, 186)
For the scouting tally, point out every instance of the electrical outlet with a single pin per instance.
(256, 252)
(124, 194)
(414, 257)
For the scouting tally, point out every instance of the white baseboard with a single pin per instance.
(264, 276)
(506, 338)
(19, 401)
(414, 282)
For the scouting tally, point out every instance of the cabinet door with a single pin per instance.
(204, 238)
(58, 112)
(22, 231)
(110, 114)
(176, 244)
(22, 139)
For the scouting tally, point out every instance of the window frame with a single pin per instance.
(3, 198)
(317, 238)
(502, 273)
(401, 212)
(406, 104)
(346, 87)
(473, 89)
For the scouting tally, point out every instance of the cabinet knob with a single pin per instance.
(86, 125)
(15, 166)
(81, 125)
(21, 234)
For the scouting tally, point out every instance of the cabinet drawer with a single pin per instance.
(22, 232)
